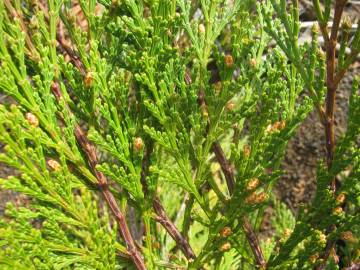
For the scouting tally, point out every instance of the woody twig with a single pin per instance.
(230, 181)
(162, 217)
(92, 159)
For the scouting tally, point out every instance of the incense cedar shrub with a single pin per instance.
(150, 134)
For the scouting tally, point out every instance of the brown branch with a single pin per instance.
(332, 86)
(32, 52)
(249, 232)
(73, 57)
(91, 156)
(60, 38)
(170, 227)
(331, 83)
(254, 243)
(89, 149)
(225, 166)
(162, 217)
(230, 181)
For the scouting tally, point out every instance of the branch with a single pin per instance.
(170, 227)
(225, 166)
(63, 43)
(32, 52)
(162, 217)
(73, 57)
(230, 181)
(331, 84)
(91, 157)
(249, 232)
(254, 243)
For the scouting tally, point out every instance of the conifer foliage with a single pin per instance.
(150, 134)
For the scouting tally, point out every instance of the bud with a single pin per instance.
(156, 245)
(229, 61)
(346, 23)
(254, 198)
(225, 232)
(338, 210)
(89, 78)
(53, 164)
(315, 29)
(32, 119)
(201, 28)
(251, 199)
(277, 126)
(320, 53)
(313, 258)
(247, 150)
(230, 105)
(340, 199)
(322, 238)
(287, 232)
(348, 236)
(225, 247)
(34, 23)
(252, 184)
(204, 111)
(253, 62)
(218, 87)
(261, 197)
(138, 144)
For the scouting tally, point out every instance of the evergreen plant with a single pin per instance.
(149, 134)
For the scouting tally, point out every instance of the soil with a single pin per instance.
(304, 151)
(298, 183)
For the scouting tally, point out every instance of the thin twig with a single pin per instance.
(230, 181)
(162, 217)
(170, 227)
(249, 232)
(91, 156)
(73, 57)
(66, 48)
(225, 166)
(32, 53)
(331, 84)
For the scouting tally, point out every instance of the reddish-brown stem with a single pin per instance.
(225, 166)
(331, 85)
(91, 157)
(162, 217)
(249, 232)
(332, 82)
(170, 227)
(73, 57)
(63, 44)
(33, 54)
(254, 243)
(230, 181)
